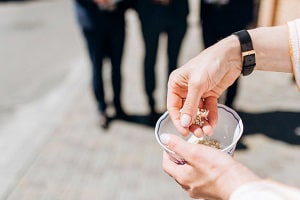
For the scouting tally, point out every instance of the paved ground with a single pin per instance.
(51, 144)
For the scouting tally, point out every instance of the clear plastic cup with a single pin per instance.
(228, 131)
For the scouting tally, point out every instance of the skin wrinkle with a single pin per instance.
(175, 85)
(213, 177)
(210, 82)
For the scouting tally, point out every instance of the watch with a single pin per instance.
(248, 53)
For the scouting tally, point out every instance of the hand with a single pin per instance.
(162, 2)
(104, 3)
(205, 77)
(208, 172)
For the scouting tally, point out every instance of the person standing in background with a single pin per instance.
(161, 16)
(219, 19)
(103, 27)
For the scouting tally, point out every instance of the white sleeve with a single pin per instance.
(294, 43)
(265, 190)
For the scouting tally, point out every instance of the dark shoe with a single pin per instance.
(120, 114)
(103, 121)
(153, 117)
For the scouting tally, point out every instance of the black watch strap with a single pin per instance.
(248, 53)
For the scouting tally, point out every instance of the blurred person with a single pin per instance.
(12, 0)
(210, 173)
(103, 27)
(220, 18)
(161, 16)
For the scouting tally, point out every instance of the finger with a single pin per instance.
(196, 130)
(173, 170)
(174, 114)
(169, 166)
(190, 107)
(174, 105)
(211, 104)
(181, 148)
(185, 187)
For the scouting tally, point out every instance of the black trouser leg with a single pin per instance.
(175, 37)
(116, 61)
(96, 55)
(231, 94)
(151, 38)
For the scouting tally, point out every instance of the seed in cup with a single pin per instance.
(210, 142)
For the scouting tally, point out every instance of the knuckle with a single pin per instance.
(165, 168)
(194, 153)
(192, 194)
(172, 78)
(194, 83)
(182, 180)
(172, 144)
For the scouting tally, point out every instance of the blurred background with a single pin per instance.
(51, 144)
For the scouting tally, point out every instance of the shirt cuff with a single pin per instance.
(294, 44)
(265, 190)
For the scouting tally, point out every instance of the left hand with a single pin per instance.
(209, 173)
(162, 2)
(103, 3)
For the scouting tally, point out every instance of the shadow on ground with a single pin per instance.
(146, 120)
(278, 125)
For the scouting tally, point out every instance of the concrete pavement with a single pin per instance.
(52, 146)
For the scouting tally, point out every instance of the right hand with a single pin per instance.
(206, 77)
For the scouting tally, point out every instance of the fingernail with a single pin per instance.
(165, 138)
(185, 120)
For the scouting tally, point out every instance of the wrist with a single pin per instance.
(232, 49)
(248, 53)
(236, 176)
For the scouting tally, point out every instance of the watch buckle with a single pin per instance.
(248, 53)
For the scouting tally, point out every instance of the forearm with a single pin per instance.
(272, 48)
(271, 45)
